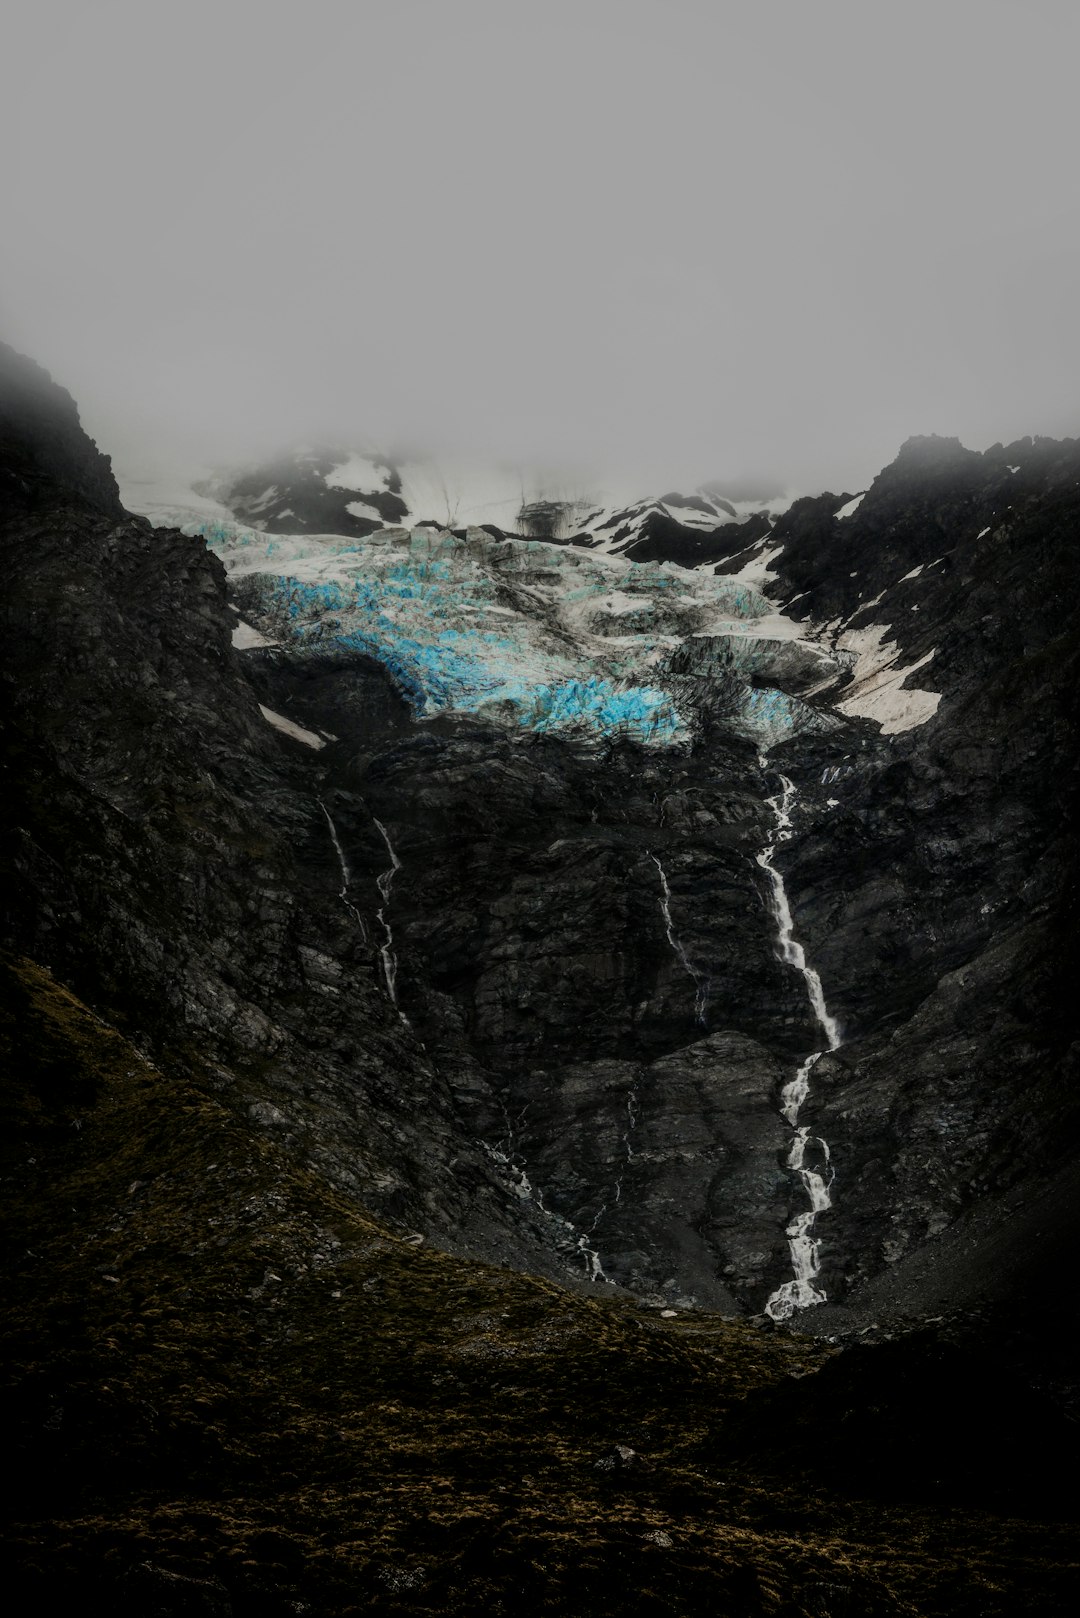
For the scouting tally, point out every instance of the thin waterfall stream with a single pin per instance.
(384, 883)
(510, 1159)
(346, 874)
(804, 1246)
(701, 984)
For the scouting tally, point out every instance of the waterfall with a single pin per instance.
(804, 1247)
(627, 1140)
(701, 984)
(384, 883)
(791, 951)
(594, 1270)
(346, 876)
(523, 1187)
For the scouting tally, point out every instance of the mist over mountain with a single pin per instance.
(747, 241)
(539, 1070)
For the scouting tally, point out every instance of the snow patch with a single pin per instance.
(876, 691)
(691, 517)
(360, 472)
(166, 493)
(461, 496)
(755, 570)
(265, 499)
(286, 726)
(360, 508)
(245, 638)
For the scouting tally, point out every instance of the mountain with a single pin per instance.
(485, 1017)
(356, 492)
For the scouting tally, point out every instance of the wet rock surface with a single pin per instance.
(516, 997)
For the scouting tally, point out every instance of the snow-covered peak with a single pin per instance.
(356, 491)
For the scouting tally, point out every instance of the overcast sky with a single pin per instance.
(694, 239)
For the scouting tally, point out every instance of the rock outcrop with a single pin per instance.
(45, 457)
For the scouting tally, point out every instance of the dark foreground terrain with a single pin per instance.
(231, 1392)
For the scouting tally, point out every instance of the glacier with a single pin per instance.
(522, 633)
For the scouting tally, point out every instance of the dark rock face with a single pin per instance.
(671, 1167)
(662, 538)
(946, 945)
(521, 996)
(165, 854)
(579, 1066)
(931, 876)
(291, 495)
(45, 457)
(535, 965)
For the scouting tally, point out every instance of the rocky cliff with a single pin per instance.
(585, 934)
(696, 934)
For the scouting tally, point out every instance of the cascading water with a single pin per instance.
(805, 1249)
(384, 883)
(701, 984)
(508, 1158)
(594, 1270)
(627, 1140)
(346, 875)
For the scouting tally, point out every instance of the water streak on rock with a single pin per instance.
(804, 1247)
(701, 984)
(346, 875)
(627, 1140)
(523, 1187)
(384, 883)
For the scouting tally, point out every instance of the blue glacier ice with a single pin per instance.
(528, 634)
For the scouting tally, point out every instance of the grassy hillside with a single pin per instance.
(229, 1391)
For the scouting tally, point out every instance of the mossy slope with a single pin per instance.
(230, 1391)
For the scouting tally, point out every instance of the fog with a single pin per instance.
(689, 240)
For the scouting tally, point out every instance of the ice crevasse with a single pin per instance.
(519, 632)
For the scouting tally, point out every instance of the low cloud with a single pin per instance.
(687, 241)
